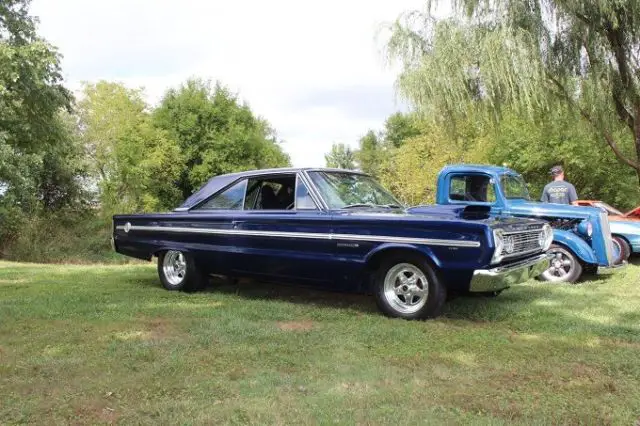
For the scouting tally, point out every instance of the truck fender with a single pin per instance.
(378, 252)
(576, 244)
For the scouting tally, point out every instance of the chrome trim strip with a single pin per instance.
(304, 235)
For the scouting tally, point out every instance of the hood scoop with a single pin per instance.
(470, 212)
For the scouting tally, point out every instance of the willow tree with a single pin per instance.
(526, 56)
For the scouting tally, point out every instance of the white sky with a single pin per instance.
(314, 70)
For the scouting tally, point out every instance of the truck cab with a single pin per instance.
(582, 236)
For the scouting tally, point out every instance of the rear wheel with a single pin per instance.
(405, 286)
(623, 248)
(564, 266)
(178, 271)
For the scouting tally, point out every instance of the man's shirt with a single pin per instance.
(559, 192)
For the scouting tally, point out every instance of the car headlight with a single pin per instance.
(546, 237)
(498, 241)
(586, 228)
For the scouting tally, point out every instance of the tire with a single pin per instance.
(421, 285)
(625, 249)
(178, 272)
(565, 267)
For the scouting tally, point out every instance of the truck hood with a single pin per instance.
(538, 209)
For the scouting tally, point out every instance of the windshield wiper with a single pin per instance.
(350, 206)
(388, 206)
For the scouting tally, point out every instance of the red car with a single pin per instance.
(614, 214)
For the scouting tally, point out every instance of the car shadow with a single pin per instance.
(293, 293)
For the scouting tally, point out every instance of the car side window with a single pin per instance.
(475, 188)
(303, 198)
(230, 199)
(271, 193)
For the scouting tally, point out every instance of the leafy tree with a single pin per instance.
(38, 161)
(410, 171)
(134, 164)
(368, 156)
(527, 57)
(532, 149)
(341, 156)
(216, 134)
(399, 127)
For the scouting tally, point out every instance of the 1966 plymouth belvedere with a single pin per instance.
(339, 230)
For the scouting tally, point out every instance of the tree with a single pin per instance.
(527, 57)
(369, 155)
(134, 164)
(341, 156)
(410, 171)
(216, 133)
(38, 160)
(399, 127)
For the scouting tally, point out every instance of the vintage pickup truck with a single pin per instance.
(339, 230)
(582, 239)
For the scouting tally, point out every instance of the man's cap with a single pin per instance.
(556, 170)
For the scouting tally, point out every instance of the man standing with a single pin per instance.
(559, 191)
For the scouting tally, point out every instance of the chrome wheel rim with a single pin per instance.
(406, 288)
(561, 266)
(174, 267)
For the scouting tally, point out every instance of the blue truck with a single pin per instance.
(582, 239)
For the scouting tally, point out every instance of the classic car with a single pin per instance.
(336, 229)
(582, 240)
(625, 227)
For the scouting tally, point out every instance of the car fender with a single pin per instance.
(387, 247)
(630, 231)
(576, 244)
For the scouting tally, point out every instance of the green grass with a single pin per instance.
(106, 344)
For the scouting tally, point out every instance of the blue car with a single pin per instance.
(335, 229)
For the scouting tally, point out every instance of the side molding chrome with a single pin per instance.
(301, 235)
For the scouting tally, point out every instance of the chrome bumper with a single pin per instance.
(502, 277)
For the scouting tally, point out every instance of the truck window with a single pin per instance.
(478, 188)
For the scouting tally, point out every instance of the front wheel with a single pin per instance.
(178, 271)
(407, 287)
(564, 266)
(623, 249)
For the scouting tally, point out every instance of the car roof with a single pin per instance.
(219, 182)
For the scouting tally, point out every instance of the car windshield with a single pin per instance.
(514, 186)
(610, 210)
(342, 190)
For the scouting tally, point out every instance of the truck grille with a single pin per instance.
(524, 242)
(606, 232)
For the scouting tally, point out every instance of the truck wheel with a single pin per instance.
(407, 287)
(178, 271)
(564, 266)
(624, 248)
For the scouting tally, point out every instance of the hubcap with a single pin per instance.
(406, 288)
(561, 266)
(174, 267)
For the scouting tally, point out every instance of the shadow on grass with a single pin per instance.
(538, 308)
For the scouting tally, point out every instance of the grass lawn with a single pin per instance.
(106, 344)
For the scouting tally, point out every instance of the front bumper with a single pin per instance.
(502, 277)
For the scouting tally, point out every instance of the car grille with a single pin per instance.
(524, 242)
(606, 233)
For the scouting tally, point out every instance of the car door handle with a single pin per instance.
(236, 223)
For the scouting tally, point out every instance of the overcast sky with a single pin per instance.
(314, 70)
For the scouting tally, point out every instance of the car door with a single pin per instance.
(286, 238)
(207, 228)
